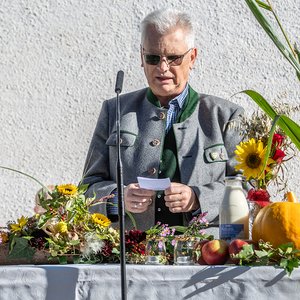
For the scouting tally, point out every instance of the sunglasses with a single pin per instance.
(171, 60)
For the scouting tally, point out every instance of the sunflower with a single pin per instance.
(21, 223)
(67, 189)
(100, 219)
(251, 156)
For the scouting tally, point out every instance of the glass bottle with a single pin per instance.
(233, 211)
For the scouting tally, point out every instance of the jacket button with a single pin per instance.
(155, 142)
(161, 115)
(152, 171)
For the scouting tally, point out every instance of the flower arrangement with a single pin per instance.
(65, 228)
(135, 246)
(252, 151)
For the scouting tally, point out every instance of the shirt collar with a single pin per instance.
(180, 98)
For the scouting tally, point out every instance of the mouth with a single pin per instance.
(164, 79)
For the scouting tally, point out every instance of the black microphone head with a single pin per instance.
(119, 82)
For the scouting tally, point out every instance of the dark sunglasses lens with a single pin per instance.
(152, 59)
(174, 60)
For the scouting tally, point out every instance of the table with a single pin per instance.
(102, 281)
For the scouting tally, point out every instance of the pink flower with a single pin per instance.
(277, 138)
(278, 156)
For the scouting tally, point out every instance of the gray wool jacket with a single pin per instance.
(205, 150)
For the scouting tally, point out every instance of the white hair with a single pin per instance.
(167, 20)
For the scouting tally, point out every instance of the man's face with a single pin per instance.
(167, 82)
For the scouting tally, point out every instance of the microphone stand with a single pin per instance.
(120, 190)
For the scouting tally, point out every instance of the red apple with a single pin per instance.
(198, 247)
(215, 252)
(236, 246)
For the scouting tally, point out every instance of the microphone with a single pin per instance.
(119, 82)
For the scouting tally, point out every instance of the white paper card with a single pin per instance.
(154, 184)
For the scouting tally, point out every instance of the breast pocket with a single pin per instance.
(216, 153)
(127, 139)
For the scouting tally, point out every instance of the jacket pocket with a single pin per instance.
(216, 153)
(127, 139)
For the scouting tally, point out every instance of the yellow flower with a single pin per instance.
(19, 225)
(67, 189)
(100, 219)
(251, 157)
(62, 226)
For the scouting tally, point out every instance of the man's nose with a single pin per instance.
(163, 65)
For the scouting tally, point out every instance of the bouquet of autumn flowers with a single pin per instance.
(252, 151)
(65, 228)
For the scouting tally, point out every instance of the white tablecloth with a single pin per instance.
(82, 282)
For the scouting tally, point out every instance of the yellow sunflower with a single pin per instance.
(100, 219)
(67, 189)
(251, 156)
(21, 223)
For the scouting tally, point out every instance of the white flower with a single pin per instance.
(94, 244)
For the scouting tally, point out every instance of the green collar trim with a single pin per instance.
(187, 109)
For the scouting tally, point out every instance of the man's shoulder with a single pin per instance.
(212, 101)
(132, 96)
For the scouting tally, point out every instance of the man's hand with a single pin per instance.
(136, 199)
(181, 198)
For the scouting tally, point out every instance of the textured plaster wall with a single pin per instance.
(59, 60)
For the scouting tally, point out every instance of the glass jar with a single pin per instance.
(254, 209)
(233, 211)
(156, 251)
(183, 250)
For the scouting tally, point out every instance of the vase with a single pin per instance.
(156, 251)
(183, 250)
(254, 209)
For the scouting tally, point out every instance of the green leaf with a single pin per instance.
(287, 245)
(291, 129)
(181, 229)
(115, 251)
(62, 259)
(263, 5)
(21, 250)
(262, 254)
(289, 264)
(82, 188)
(43, 219)
(273, 34)
(131, 218)
(197, 251)
(74, 242)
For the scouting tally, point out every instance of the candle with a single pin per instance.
(152, 260)
(183, 260)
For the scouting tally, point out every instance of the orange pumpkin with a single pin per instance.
(278, 223)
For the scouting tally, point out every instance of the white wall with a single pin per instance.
(59, 60)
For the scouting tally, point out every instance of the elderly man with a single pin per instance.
(167, 130)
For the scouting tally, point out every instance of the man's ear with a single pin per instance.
(193, 58)
(142, 61)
